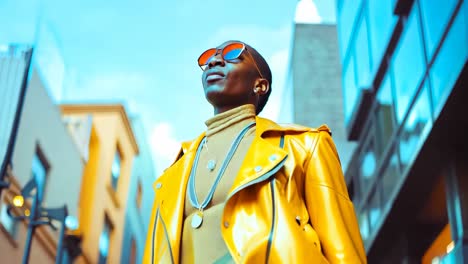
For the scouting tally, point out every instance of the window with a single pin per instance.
(381, 25)
(39, 170)
(116, 165)
(350, 90)
(357, 73)
(385, 124)
(408, 64)
(364, 225)
(139, 195)
(347, 13)
(104, 241)
(390, 177)
(353, 174)
(368, 163)
(435, 16)
(375, 210)
(361, 49)
(415, 127)
(8, 223)
(453, 52)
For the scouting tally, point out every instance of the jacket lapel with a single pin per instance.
(261, 158)
(170, 194)
(264, 156)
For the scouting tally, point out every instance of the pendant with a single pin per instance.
(211, 165)
(197, 219)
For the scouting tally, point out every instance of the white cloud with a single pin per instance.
(164, 146)
(306, 12)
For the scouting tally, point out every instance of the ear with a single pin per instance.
(262, 86)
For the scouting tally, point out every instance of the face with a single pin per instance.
(228, 84)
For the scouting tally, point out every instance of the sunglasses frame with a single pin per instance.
(220, 51)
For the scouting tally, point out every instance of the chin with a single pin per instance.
(214, 94)
(214, 88)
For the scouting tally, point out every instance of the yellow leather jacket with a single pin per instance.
(288, 204)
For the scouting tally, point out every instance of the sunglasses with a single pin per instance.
(230, 52)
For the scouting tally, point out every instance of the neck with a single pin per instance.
(219, 110)
(238, 116)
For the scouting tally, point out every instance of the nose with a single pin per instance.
(216, 60)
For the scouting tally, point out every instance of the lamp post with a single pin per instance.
(38, 216)
(60, 214)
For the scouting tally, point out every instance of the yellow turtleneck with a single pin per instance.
(205, 244)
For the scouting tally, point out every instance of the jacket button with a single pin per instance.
(258, 168)
(273, 157)
(158, 186)
(226, 224)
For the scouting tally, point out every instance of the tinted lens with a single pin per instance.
(233, 51)
(205, 57)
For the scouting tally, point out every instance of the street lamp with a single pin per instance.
(38, 216)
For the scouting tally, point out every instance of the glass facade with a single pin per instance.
(357, 74)
(390, 176)
(350, 91)
(384, 115)
(368, 165)
(411, 62)
(375, 209)
(346, 14)
(382, 23)
(415, 128)
(362, 56)
(435, 18)
(408, 64)
(364, 224)
(453, 52)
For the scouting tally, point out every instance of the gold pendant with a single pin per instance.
(197, 219)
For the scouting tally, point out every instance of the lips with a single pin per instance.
(214, 76)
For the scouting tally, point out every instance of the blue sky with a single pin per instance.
(143, 53)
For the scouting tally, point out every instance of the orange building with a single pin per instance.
(109, 146)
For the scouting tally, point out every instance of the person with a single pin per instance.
(248, 190)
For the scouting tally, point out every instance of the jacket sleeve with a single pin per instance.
(330, 209)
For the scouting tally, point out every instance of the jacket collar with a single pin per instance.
(262, 126)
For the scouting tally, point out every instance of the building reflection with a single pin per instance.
(404, 85)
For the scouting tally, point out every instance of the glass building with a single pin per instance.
(405, 82)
